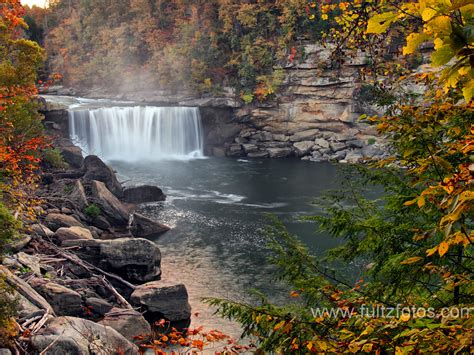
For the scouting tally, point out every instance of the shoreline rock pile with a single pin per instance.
(85, 278)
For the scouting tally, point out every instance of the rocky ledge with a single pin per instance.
(85, 278)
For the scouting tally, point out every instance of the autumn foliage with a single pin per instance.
(416, 240)
(21, 139)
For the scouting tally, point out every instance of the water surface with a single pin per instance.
(217, 207)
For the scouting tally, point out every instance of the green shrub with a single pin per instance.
(8, 227)
(371, 141)
(92, 211)
(52, 157)
(68, 188)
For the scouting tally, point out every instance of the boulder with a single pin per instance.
(235, 150)
(335, 146)
(69, 335)
(71, 233)
(114, 210)
(30, 261)
(321, 142)
(279, 152)
(145, 227)
(127, 322)
(353, 157)
(96, 169)
(250, 148)
(98, 306)
(355, 143)
(373, 151)
(72, 155)
(54, 221)
(78, 195)
(41, 230)
(303, 148)
(19, 243)
(143, 194)
(64, 301)
(163, 299)
(304, 135)
(135, 259)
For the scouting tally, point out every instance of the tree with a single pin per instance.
(21, 136)
(418, 238)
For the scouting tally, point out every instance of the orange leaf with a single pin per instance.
(443, 248)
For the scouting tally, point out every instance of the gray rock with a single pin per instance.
(353, 157)
(305, 135)
(143, 194)
(127, 322)
(145, 227)
(19, 243)
(259, 154)
(372, 151)
(96, 169)
(303, 148)
(250, 148)
(30, 261)
(321, 142)
(41, 230)
(78, 195)
(339, 155)
(72, 155)
(114, 210)
(5, 352)
(135, 259)
(69, 335)
(54, 221)
(101, 223)
(335, 147)
(279, 152)
(355, 143)
(163, 299)
(72, 233)
(64, 301)
(234, 150)
(281, 138)
(98, 306)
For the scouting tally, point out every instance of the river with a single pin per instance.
(216, 208)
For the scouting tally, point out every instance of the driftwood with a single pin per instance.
(25, 290)
(118, 296)
(47, 316)
(88, 266)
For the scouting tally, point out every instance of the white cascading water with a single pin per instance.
(138, 133)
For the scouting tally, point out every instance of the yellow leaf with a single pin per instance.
(367, 331)
(414, 40)
(438, 43)
(381, 22)
(431, 251)
(428, 13)
(310, 346)
(468, 90)
(322, 345)
(279, 325)
(443, 248)
(412, 202)
(411, 260)
(367, 348)
(405, 317)
(442, 55)
(421, 201)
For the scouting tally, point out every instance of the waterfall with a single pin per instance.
(138, 133)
